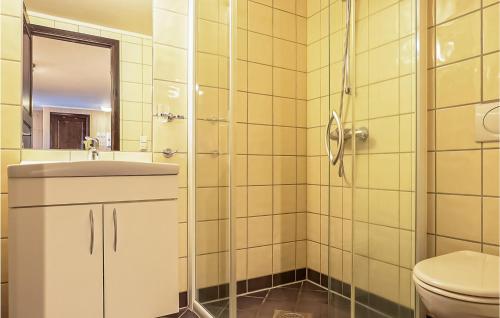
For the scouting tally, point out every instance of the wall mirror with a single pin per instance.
(87, 74)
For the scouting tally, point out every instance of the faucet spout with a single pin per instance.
(93, 148)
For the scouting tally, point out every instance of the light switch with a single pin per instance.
(488, 122)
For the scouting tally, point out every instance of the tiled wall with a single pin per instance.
(136, 66)
(463, 180)
(170, 77)
(283, 102)
(328, 196)
(212, 167)
(384, 198)
(383, 102)
(170, 72)
(10, 124)
(269, 169)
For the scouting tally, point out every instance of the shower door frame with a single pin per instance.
(420, 209)
(191, 164)
(193, 303)
(421, 142)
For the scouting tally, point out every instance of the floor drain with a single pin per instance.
(290, 314)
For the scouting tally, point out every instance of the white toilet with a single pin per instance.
(462, 284)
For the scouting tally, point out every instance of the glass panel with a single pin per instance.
(296, 217)
(212, 163)
(338, 103)
(384, 172)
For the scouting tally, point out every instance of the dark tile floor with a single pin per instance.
(183, 313)
(303, 297)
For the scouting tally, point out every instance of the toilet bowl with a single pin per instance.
(462, 284)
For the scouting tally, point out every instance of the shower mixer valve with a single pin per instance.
(360, 133)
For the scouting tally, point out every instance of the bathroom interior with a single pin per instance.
(250, 158)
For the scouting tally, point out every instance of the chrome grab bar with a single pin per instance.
(91, 216)
(340, 140)
(360, 133)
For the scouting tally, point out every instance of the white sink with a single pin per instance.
(91, 169)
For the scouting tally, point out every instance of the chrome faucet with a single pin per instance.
(94, 148)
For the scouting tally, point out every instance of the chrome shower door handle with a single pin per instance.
(334, 117)
(115, 224)
(91, 216)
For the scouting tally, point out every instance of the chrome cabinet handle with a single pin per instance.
(91, 216)
(340, 141)
(115, 223)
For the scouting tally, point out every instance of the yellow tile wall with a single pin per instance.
(269, 118)
(384, 175)
(463, 180)
(10, 127)
(169, 75)
(270, 149)
(282, 90)
(212, 223)
(136, 68)
(136, 88)
(384, 102)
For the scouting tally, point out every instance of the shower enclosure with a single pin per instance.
(305, 157)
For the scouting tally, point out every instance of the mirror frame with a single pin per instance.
(87, 39)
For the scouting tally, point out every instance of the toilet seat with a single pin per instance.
(465, 275)
(461, 297)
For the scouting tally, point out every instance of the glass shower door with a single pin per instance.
(336, 115)
(384, 102)
(212, 224)
(354, 226)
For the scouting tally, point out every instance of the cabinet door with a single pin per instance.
(140, 259)
(56, 262)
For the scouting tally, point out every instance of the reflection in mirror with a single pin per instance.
(72, 90)
(87, 75)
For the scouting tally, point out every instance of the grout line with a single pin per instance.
(247, 159)
(299, 296)
(455, 18)
(296, 143)
(434, 172)
(462, 239)
(482, 144)
(399, 174)
(273, 131)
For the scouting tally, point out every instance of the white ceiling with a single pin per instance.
(130, 15)
(70, 74)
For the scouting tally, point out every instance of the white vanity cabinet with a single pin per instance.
(137, 264)
(53, 269)
(103, 251)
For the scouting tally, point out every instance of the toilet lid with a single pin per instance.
(464, 272)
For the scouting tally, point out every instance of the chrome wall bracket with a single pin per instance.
(169, 116)
(169, 153)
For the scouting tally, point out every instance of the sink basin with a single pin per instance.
(91, 169)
